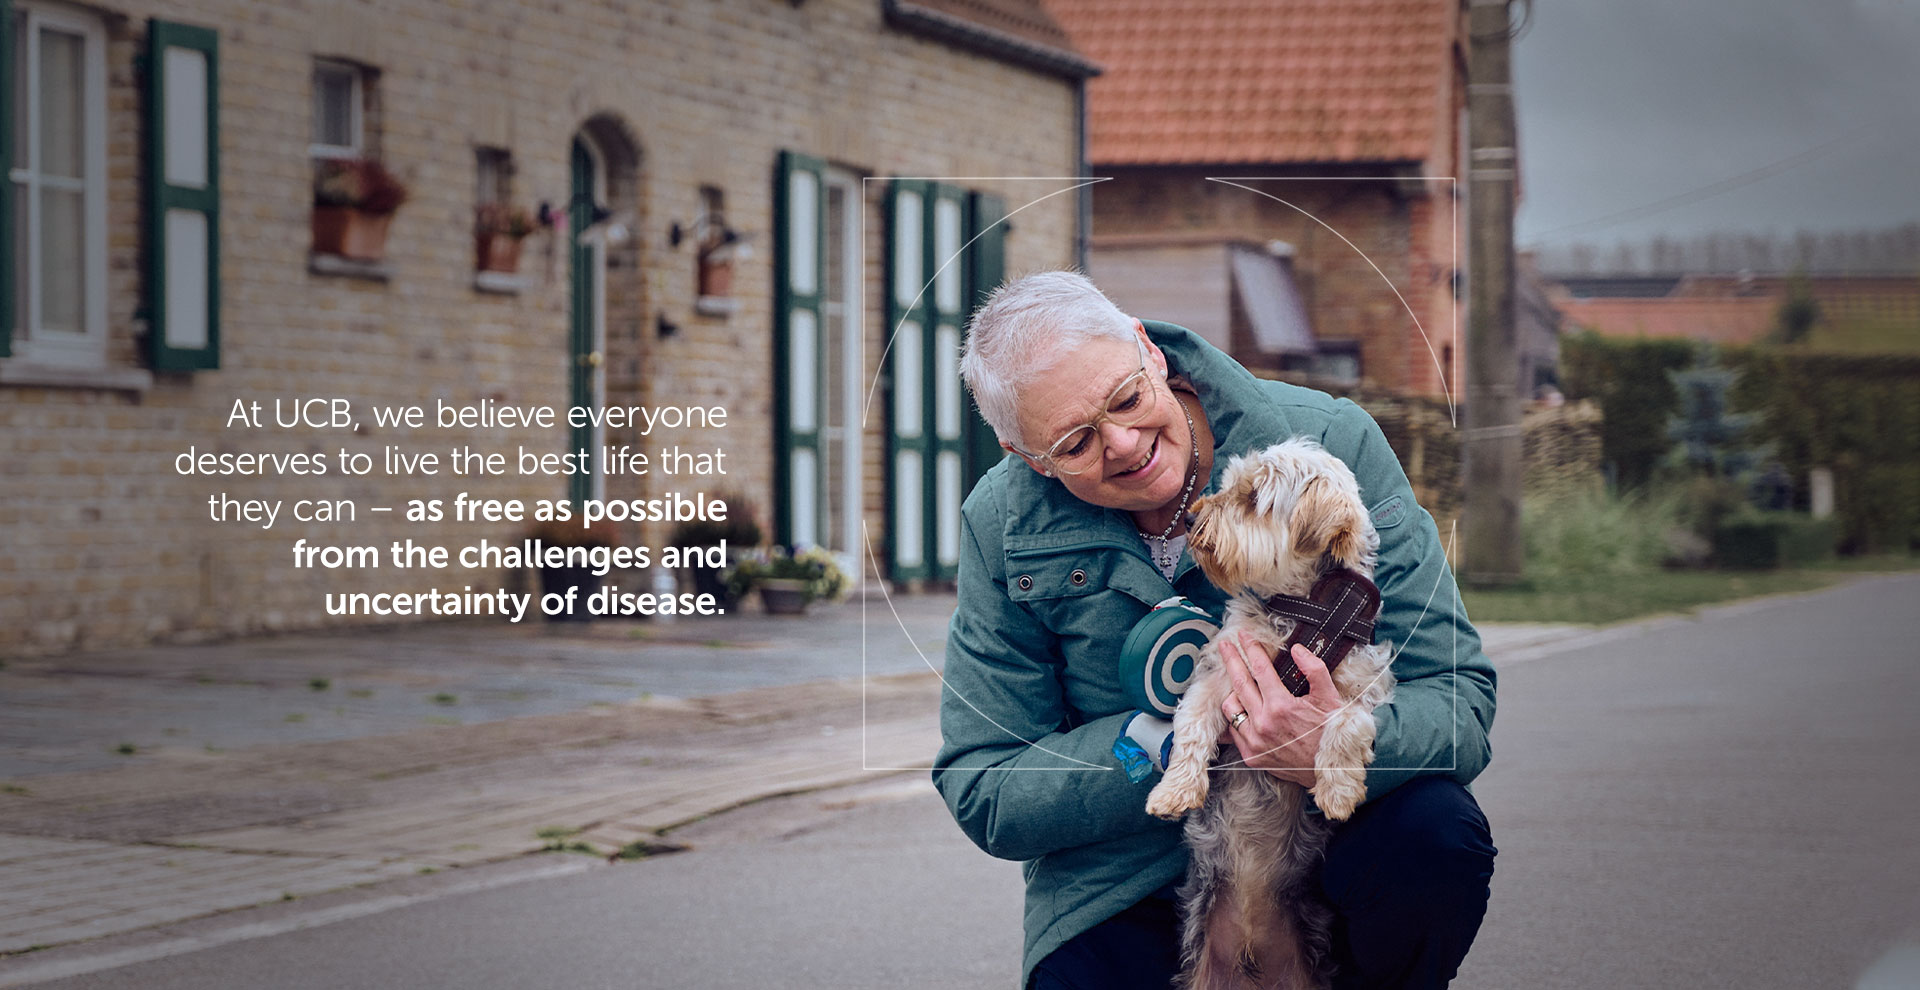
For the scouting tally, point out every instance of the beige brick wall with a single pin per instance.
(107, 546)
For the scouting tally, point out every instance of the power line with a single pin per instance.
(1710, 190)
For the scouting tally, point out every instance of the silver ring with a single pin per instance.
(1237, 719)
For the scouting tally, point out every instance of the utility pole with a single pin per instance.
(1491, 445)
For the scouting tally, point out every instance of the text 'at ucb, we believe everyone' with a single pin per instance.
(337, 414)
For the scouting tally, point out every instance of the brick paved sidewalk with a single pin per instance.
(102, 851)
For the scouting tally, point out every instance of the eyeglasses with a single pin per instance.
(1079, 449)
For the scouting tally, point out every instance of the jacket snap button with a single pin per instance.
(1078, 577)
(1025, 582)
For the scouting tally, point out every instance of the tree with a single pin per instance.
(1797, 314)
(1712, 439)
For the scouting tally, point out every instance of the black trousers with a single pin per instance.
(1408, 877)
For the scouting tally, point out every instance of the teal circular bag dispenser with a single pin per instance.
(1160, 653)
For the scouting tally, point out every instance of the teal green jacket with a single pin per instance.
(1048, 588)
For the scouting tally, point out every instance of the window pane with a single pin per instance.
(186, 122)
(187, 303)
(909, 538)
(946, 254)
(61, 281)
(62, 58)
(803, 232)
(801, 371)
(906, 248)
(946, 381)
(333, 106)
(946, 469)
(836, 262)
(906, 381)
(806, 501)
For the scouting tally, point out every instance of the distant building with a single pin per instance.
(1341, 126)
(1739, 308)
(729, 204)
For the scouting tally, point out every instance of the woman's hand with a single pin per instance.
(1281, 733)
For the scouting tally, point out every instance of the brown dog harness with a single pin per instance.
(1335, 618)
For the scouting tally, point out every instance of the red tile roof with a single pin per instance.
(1265, 81)
(1723, 321)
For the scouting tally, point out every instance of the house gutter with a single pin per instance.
(963, 33)
(1083, 220)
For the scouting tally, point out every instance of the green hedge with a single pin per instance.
(1628, 378)
(1858, 415)
(1762, 540)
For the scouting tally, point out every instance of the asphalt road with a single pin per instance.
(1724, 802)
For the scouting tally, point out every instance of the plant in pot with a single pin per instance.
(354, 200)
(789, 582)
(556, 580)
(737, 535)
(497, 232)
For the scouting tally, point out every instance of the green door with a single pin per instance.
(584, 269)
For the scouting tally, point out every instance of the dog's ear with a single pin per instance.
(1326, 520)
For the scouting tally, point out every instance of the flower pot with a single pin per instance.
(783, 596)
(556, 581)
(716, 277)
(497, 252)
(350, 232)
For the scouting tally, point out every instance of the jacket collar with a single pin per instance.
(1041, 513)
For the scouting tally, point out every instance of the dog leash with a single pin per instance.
(1337, 616)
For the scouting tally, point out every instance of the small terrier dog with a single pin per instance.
(1251, 913)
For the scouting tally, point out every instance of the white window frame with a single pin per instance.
(851, 348)
(32, 342)
(356, 109)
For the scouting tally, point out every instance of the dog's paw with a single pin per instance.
(1174, 797)
(1339, 793)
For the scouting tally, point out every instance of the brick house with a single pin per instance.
(1328, 122)
(737, 201)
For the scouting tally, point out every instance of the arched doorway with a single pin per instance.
(602, 205)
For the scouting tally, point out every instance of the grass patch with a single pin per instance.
(14, 789)
(126, 749)
(319, 684)
(443, 698)
(559, 838)
(360, 693)
(1596, 558)
(1600, 599)
(295, 717)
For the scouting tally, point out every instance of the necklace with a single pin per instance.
(1162, 555)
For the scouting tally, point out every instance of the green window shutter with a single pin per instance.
(927, 302)
(799, 393)
(987, 266)
(906, 348)
(6, 173)
(947, 265)
(183, 197)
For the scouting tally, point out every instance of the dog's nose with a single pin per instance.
(1186, 519)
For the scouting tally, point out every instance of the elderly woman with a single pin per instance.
(1117, 425)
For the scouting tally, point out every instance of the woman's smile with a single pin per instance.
(1140, 467)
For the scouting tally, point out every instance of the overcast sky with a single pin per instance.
(1623, 103)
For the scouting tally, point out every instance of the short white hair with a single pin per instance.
(1023, 330)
